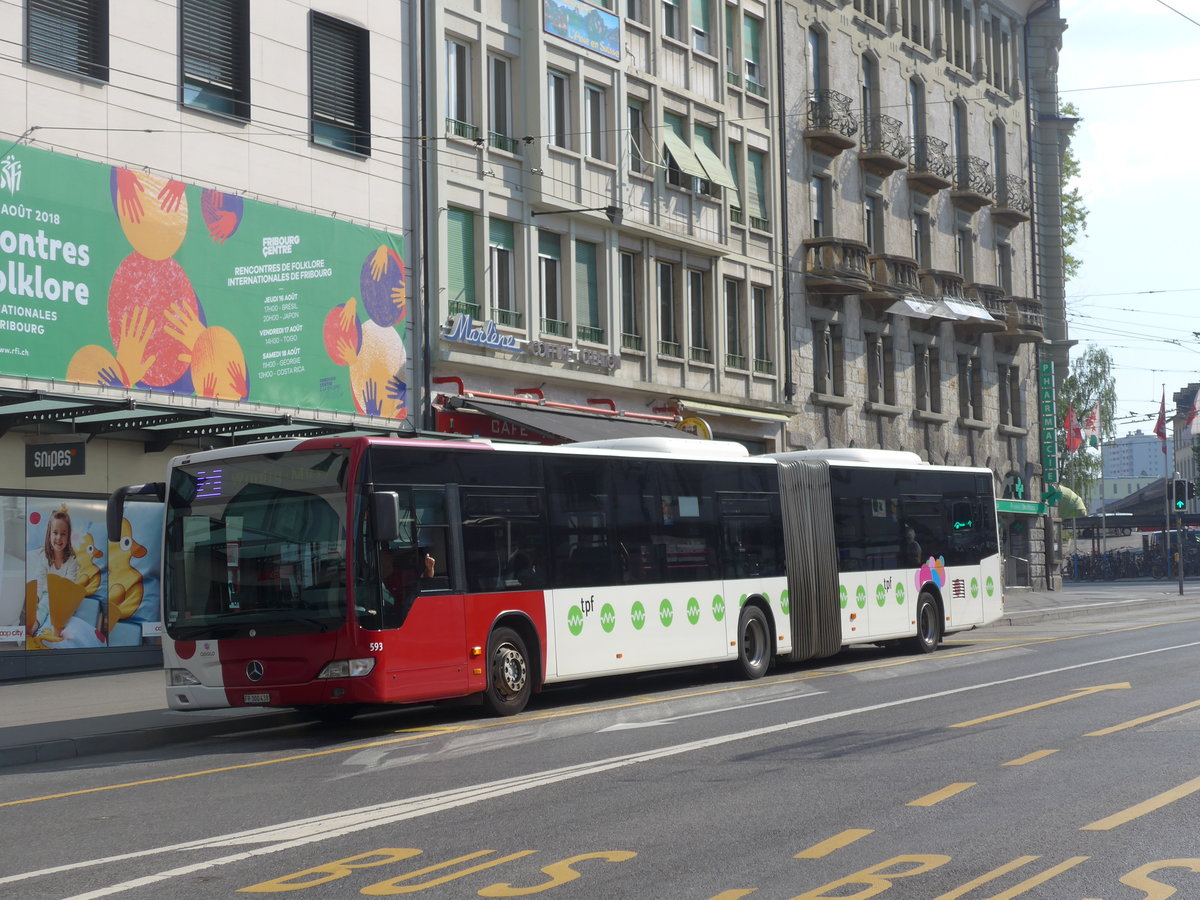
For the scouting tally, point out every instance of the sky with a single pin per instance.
(1132, 67)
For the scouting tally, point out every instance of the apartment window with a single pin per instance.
(69, 35)
(460, 262)
(503, 273)
(958, 134)
(752, 48)
(671, 19)
(634, 9)
(730, 56)
(594, 128)
(735, 342)
(816, 60)
(501, 94)
(928, 378)
(764, 333)
(697, 307)
(587, 293)
(635, 123)
(873, 223)
(828, 375)
(756, 194)
(549, 266)
(818, 204)
(705, 146)
(701, 25)
(1004, 267)
(970, 388)
(214, 55)
(681, 170)
(339, 80)
(916, 109)
(1009, 382)
(869, 89)
(963, 262)
(631, 312)
(458, 82)
(557, 108)
(881, 370)
(921, 250)
(668, 315)
(999, 154)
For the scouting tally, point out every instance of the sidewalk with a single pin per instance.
(86, 715)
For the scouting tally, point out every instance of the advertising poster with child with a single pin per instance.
(83, 588)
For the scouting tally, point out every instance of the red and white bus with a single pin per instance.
(337, 572)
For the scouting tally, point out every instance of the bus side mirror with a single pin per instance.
(385, 511)
(115, 511)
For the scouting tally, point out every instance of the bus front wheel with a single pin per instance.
(509, 684)
(754, 643)
(929, 625)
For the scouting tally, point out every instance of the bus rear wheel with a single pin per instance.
(754, 643)
(509, 684)
(929, 625)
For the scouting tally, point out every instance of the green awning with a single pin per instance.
(717, 172)
(683, 155)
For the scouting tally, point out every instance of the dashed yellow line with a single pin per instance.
(1030, 757)
(837, 842)
(1133, 723)
(1145, 807)
(950, 790)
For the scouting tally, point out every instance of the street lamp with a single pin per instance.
(615, 213)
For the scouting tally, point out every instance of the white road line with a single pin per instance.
(626, 726)
(288, 835)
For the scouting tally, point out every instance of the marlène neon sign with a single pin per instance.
(462, 330)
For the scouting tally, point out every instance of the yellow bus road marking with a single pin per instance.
(1030, 757)
(1145, 807)
(986, 877)
(1082, 692)
(535, 717)
(837, 842)
(945, 793)
(1133, 723)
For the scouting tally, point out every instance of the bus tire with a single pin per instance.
(754, 643)
(929, 625)
(509, 674)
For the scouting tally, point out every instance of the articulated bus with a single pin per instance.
(339, 572)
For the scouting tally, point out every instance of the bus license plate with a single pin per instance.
(256, 698)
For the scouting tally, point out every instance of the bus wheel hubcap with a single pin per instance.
(510, 669)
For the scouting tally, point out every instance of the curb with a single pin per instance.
(59, 749)
(1096, 608)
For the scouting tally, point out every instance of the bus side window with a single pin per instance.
(579, 512)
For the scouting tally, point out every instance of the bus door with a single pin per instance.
(410, 602)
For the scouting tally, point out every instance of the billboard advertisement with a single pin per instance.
(121, 278)
(66, 584)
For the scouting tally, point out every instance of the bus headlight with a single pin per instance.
(181, 678)
(348, 668)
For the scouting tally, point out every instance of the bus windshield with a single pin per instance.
(256, 546)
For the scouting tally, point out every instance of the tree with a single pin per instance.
(1089, 382)
(1074, 213)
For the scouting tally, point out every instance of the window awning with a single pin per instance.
(966, 309)
(914, 307)
(569, 426)
(717, 172)
(683, 155)
(716, 409)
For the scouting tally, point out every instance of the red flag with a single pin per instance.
(1160, 427)
(1074, 433)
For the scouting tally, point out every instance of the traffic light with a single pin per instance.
(1184, 491)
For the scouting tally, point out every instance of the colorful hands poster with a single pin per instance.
(120, 278)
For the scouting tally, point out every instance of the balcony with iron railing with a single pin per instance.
(763, 366)
(930, 168)
(835, 267)
(830, 124)
(459, 129)
(509, 318)
(503, 142)
(1026, 321)
(591, 333)
(702, 355)
(992, 298)
(891, 277)
(1012, 201)
(973, 187)
(556, 327)
(883, 148)
(937, 284)
(633, 342)
(464, 307)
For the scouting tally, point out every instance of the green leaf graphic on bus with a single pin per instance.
(900, 594)
(693, 610)
(575, 620)
(666, 613)
(637, 614)
(608, 618)
(989, 586)
(974, 588)
(880, 595)
(860, 597)
(784, 603)
(844, 595)
(718, 607)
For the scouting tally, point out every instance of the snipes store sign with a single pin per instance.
(45, 460)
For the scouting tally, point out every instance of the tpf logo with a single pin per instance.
(10, 174)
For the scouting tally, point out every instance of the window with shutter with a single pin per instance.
(69, 35)
(214, 55)
(460, 262)
(339, 67)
